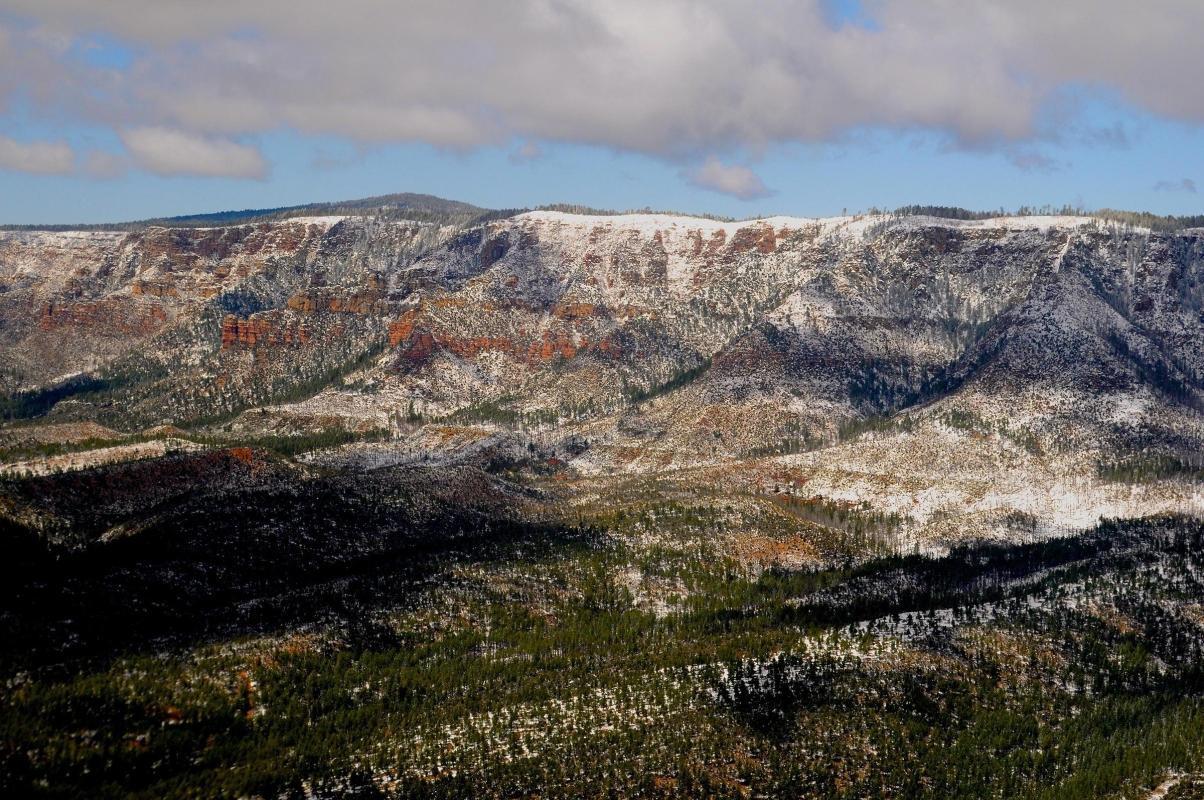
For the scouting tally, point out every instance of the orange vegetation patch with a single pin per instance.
(446, 432)
(788, 552)
(244, 454)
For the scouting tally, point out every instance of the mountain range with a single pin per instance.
(971, 378)
(407, 498)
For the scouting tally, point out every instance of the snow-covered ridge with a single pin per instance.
(76, 236)
(855, 225)
(648, 224)
(652, 223)
(35, 234)
(327, 221)
(1041, 223)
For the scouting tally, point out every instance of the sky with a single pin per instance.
(129, 109)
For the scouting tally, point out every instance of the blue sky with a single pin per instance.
(95, 129)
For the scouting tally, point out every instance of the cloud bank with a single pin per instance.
(43, 158)
(683, 80)
(171, 152)
(733, 179)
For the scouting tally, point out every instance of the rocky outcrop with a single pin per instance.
(360, 301)
(401, 329)
(260, 331)
(109, 317)
(753, 238)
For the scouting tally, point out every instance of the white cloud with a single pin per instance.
(733, 179)
(172, 152)
(45, 158)
(672, 78)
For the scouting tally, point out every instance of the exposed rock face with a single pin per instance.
(644, 297)
(363, 301)
(147, 303)
(403, 328)
(556, 279)
(665, 341)
(111, 316)
(249, 332)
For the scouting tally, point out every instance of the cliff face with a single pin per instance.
(706, 337)
(647, 341)
(553, 311)
(196, 315)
